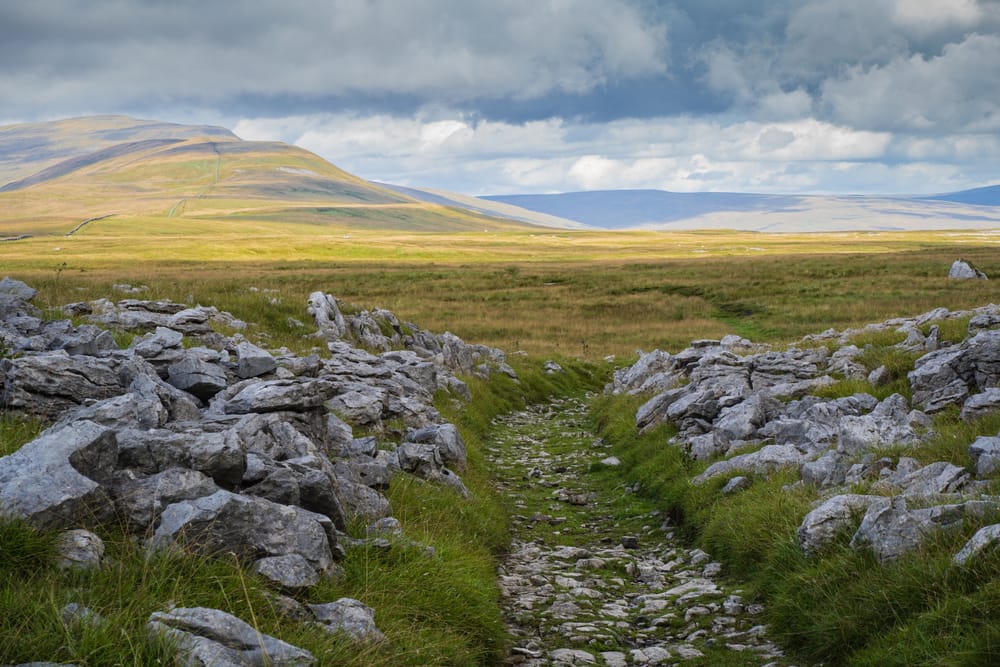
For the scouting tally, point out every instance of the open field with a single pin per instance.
(587, 294)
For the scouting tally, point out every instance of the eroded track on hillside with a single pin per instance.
(595, 575)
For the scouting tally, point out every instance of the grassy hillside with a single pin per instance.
(53, 176)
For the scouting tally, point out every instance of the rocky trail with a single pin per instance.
(595, 575)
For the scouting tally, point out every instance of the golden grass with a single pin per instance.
(544, 291)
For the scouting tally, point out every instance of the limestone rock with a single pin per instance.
(891, 529)
(197, 376)
(986, 538)
(962, 270)
(80, 548)
(212, 637)
(291, 572)
(218, 455)
(252, 528)
(48, 384)
(55, 480)
(295, 395)
(140, 500)
(837, 514)
(252, 361)
(768, 459)
(446, 438)
(981, 404)
(985, 455)
(350, 617)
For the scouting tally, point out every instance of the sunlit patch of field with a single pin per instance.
(544, 291)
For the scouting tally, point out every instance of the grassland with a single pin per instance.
(587, 294)
(550, 293)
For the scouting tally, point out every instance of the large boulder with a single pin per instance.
(834, 516)
(891, 529)
(251, 528)
(350, 617)
(294, 395)
(141, 499)
(55, 481)
(212, 637)
(47, 385)
(197, 376)
(446, 438)
(766, 460)
(218, 455)
(252, 361)
(962, 270)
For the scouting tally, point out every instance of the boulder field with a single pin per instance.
(753, 410)
(208, 442)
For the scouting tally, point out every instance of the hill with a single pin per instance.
(662, 210)
(56, 175)
(988, 196)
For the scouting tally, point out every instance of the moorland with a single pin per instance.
(254, 230)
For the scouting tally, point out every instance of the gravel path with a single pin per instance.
(594, 575)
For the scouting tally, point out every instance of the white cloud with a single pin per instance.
(958, 88)
(926, 16)
(452, 50)
(681, 154)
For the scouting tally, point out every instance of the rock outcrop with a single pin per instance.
(752, 411)
(189, 438)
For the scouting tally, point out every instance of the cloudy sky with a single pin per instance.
(789, 96)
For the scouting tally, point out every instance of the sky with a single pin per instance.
(539, 96)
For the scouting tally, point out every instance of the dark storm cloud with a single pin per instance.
(64, 54)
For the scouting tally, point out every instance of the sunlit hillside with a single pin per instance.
(56, 176)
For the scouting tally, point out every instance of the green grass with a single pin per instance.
(840, 607)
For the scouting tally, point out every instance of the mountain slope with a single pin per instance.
(61, 173)
(988, 196)
(487, 206)
(661, 210)
(617, 209)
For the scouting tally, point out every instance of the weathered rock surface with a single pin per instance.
(250, 527)
(730, 396)
(350, 617)
(962, 270)
(56, 480)
(212, 637)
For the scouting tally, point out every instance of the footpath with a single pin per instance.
(595, 574)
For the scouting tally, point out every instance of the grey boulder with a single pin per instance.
(213, 638)
(252, 361)
(252, 528)
(350, 617)
(55, 480)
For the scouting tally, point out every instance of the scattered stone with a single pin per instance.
(80, 548)
(350, 617)
(962, 270)
(985, 538)
(55, 481)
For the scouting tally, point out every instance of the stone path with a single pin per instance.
(595, 576)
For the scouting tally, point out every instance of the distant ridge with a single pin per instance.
(663, 210)
(620, 209)
(987, 196)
